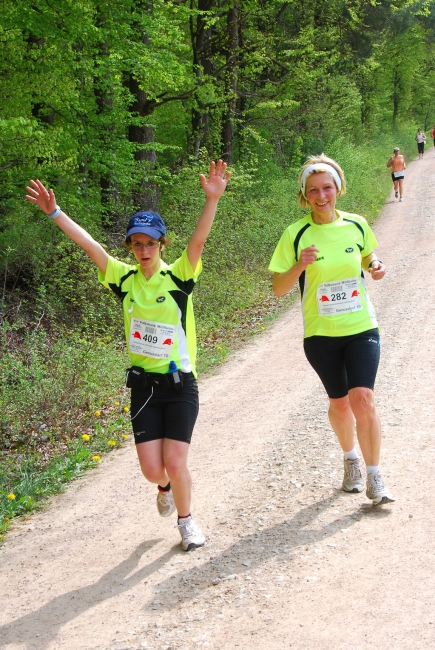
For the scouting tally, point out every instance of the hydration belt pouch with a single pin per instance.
(137, 377)
(175, 380)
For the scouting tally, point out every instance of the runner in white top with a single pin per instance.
(420, 139)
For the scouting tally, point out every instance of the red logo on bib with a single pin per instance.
(324, 299)
(137, 335)
(167, 342)
(355, 293)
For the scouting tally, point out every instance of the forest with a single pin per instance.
(118, 106)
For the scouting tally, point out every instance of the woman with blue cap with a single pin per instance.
(160, 333)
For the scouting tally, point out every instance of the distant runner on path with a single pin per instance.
(420, 139)
(433, 135)
(160, 332)
(397, 164)
(326, 253)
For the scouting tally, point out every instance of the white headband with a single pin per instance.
(319, 167)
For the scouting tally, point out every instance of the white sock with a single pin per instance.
(372, 469)
(350, 455)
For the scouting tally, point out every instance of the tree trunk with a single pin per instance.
(231, 79)
(108, 184)
(202, 66)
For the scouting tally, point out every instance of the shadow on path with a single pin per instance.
(39, 628)
(189, 583)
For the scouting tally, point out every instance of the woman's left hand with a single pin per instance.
(217, 180)
(378, 270)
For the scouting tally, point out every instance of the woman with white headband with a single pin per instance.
(327, 252)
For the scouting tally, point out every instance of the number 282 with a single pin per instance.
(338, 296)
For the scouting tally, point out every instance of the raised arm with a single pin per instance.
(213, 187)
(46, 201)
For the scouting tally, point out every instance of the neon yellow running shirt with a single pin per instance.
(158, 313)
(335, 301)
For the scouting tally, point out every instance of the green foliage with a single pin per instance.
(53, 392)
(119, 105)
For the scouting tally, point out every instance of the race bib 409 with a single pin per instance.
(151, 339)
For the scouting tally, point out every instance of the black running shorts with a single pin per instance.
(167, 414)
(344, 362)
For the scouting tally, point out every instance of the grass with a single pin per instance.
(61, 394)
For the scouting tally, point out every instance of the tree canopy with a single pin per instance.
(108, 101)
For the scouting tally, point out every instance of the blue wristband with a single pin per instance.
(55, 214)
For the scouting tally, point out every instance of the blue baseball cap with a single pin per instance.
(147, 223)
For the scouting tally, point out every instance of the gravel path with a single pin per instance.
(290, 560)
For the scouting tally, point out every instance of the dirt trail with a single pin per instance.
(290, 561)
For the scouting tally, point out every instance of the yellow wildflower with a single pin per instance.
(219, 347)
(126, 409)
(112, 443)
(96, 458)
(97, 414)
(125, 436)
(11, 497)
(85, 437)
(116, 403)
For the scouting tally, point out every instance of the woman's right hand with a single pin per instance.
(45, 200)
(308, 255)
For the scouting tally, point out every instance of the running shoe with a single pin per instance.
(191, 535)
(376, 490)
(165, 503)
(353, 479)
(400, 199)
(396, 194)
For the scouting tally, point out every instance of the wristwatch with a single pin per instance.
(372, 262)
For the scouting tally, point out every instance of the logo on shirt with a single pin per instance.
(161, 299)
(349, 250)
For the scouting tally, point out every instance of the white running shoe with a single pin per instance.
(191, 535)
(353, 479)
(376, 490)
(400, 199)
(165, 503)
